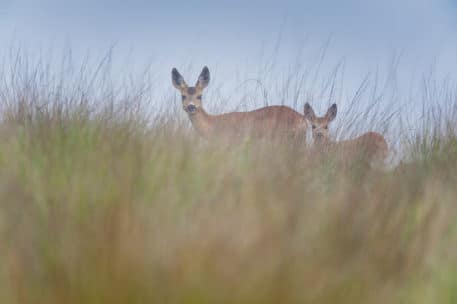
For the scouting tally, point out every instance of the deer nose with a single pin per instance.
(191, 108)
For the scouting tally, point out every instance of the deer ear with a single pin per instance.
(331, 113)
(178, 80)
(203, 79)
(309, 112)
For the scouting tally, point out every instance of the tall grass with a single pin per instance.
(105, 199)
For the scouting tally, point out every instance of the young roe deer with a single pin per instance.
(370, 146)
(278, 122)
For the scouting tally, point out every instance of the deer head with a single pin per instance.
(320, 124)
(191, 96)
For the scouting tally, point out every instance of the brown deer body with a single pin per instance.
(370, 146)
(273, 122)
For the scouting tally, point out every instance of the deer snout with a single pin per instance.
(191, 108)
(319, 135)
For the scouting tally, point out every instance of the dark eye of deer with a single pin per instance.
(183, 97)
(199, 97)
(314, 127)
(326, 127)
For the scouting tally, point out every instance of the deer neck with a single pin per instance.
(202, 122)
(324, 144)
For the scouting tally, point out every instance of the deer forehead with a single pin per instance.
(191, 91)
(320, 121)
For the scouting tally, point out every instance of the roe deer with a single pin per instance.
(370, 146)
(278, 122)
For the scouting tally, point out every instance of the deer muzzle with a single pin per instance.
(191, 109)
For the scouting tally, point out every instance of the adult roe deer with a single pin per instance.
(370, 146)
(273, 122)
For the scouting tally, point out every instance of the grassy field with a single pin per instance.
(104, 203)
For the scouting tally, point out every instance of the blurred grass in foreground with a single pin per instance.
(103, 204)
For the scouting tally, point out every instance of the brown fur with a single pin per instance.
(273, 122)
(268, 122)
(370, 146)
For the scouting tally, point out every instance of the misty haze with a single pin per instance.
(228, 151)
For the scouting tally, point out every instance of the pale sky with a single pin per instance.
(229, 36)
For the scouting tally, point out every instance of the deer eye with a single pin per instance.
(314, 126)
(199, 97)
(326, 127)
(184, 97)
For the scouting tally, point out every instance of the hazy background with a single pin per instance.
(235, 37)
